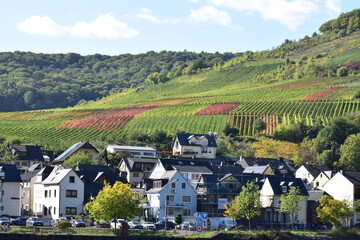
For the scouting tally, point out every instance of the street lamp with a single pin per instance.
(166, 202)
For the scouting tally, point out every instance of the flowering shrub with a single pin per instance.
(218, 108)
(321, 94)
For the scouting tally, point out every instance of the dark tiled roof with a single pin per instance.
(71, 150)
(184, 139)
(181, 163)
(315, 170)
(353, 177)
(32, 152)
(25, 177)
(130, 163)
(276, 182)
(225, 169)
(11, 173)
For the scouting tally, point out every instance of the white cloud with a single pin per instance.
(210, 14)
(333, 5)
(41, 26)
(194, 1)
(289, 13)
(105, 26)
(146, 15)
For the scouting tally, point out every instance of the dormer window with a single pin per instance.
(71, 179)
(284, 189)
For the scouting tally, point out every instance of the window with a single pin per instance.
(195, 176)
(186, 198)
(173, 185)
(54, 210)
(70, 210)
(54, 193)
(46, 193)
(71, 179)
(284, 189)
(170, 198)
(49, 193)
(135, 174)
(183, 185)
(170, 212)
(71, 193)
(186, 212)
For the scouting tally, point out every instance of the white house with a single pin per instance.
(308, 173)
(345, 186)
(270, 195)
(60, 194)
(181, 197)
(194, 145)
(10, 188)
(133, 151)
(190, 169)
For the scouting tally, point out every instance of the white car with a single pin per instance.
(148, 225)
(135, 225)
(117, 223)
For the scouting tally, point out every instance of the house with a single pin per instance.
(134, 170)
(27, 186)
(278, 165)
(10, 190)
(81, 146)
(189, 168)
(312, 204)
(345, 186)
(133, 151)
(60, 194)
(94, 177)
(271, 191)
(194, 145)
(170, 195)
(214, 191)
(308, 173)
(322, 178)
(26, 156)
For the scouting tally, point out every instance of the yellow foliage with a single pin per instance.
(268, 148)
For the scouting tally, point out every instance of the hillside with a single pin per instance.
(309, 82)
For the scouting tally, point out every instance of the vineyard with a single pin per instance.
(200, 103)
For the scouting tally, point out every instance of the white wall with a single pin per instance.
(340, 188)
(11, 198)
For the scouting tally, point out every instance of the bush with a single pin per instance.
(63, 224)
(342, 72)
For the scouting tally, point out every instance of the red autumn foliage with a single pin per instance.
(218, 108)
(106, 119)
(321, 94)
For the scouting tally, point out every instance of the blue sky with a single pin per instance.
(115, 27)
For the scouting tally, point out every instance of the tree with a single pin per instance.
(230, 131)
(178, 219)
(289, 203)
(333, 211)
(245, 205)
(114, 202)
(259, 125)
(349, 153)
(81, 157)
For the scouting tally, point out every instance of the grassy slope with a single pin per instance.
(178, 100)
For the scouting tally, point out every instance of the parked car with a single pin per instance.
(4, 221)
(161, 225)
(118, 223)
(77, 223)
(20, 221)
(187, 226)
(34, 221)
(135, 225)
(148, 225)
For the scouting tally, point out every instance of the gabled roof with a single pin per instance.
(90, 173)
(130, 162)
(11, 173)
(315, 170)
(26, 177)
(256, 169)
(225, 169)
(277, 182)
(184, 138)
(71, 150)
(276, 164)
(186, 165)
(353, 177)
(56, 176)
(31, 152)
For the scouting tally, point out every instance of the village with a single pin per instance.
(192, 181)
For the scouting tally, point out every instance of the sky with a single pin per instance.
(114, 27)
